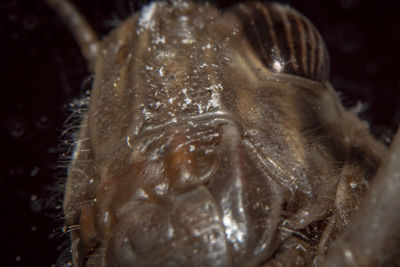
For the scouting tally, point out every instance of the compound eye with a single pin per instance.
(284, 40)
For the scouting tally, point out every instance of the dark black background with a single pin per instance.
(43, 71)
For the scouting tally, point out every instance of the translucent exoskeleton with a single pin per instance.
(215, 139)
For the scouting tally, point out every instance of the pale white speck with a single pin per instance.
(149, 67)
(208, 151)
(348, 254)
(186, 34)
(353, 185)
(183, 18)
(160, 39)
(170, 232)
(170, 100)
(300, 247)
(185, 175)
(234, 230)
(161, 71)
(182, 4)
(187, 41)
(200, 108)
(76, 151)
(165, 54)
(128, 142)
(278, 66)
(141, 194)
(253, 132)
(203, 65)
(161, 189)
(187, 100)
(208, 46)
(146, 19)
(214, 101)
(192, 148)
(107, 217)
(146, 113)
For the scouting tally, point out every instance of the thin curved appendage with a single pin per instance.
(80, 28)
(373, 237)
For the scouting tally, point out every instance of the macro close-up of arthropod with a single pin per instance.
(212, 135)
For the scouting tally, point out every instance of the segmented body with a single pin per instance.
(214, 139)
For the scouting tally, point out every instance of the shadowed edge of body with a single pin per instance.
(365, 241)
